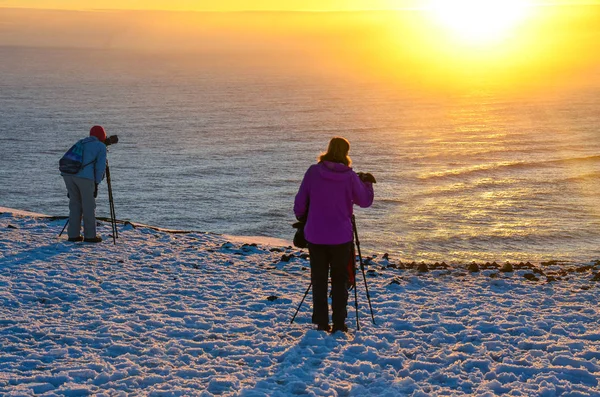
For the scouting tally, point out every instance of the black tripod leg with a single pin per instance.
(298, 309)
(354, 286)
(362, 267)
(366, 287)
(113, 223)
(356, 304)
(114, 218)
(111, 205)
(64, 227)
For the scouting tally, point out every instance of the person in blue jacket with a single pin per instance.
(82, 188)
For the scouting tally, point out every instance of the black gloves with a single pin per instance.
(366, 177)
(96, 191)
(302, 219)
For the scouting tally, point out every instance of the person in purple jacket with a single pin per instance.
(325, 201)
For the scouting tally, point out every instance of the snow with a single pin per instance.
(198, 314)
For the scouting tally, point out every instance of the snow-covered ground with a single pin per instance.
(192, 314)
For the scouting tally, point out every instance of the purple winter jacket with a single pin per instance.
(328, 192)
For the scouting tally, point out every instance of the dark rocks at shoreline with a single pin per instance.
(531, 277)
(439, 266)
(409, 266)
(422, 268)
(524, 266)
(473, 268)
(507, 268)
(549, 263)
(488, 266)
(552, 271)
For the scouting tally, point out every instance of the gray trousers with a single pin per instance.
(82, 204)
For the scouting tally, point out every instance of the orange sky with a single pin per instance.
(209, 5)
(548, 45)
(239, 5)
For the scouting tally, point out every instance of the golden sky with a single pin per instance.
(440, 43)
(241, 5)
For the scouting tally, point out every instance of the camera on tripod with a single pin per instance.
(111, 140)
(366, 177)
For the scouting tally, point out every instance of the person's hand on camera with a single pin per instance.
(96, 191)
(366, 177)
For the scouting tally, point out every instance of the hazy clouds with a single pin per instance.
(559, 41)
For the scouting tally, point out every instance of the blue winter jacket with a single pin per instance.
(94, 159)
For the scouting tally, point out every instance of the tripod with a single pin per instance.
(111, 202)
(362, 268)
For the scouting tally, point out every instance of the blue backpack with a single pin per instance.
(72, 161)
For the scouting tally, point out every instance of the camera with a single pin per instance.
(366, 177)
(111, 140)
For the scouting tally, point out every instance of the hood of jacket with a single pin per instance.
(89, 139)
(334, 171)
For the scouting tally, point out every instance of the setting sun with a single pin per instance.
(479, 21)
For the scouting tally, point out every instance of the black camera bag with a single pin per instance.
(299, 239)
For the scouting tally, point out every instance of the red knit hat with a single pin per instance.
(98, 132)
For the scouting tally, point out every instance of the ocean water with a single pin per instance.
(219, 144)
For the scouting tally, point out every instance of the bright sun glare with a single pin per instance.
(479, 21)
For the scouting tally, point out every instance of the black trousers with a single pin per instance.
(323, 258)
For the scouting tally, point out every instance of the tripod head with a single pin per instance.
(366, 177)
(111, 140)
